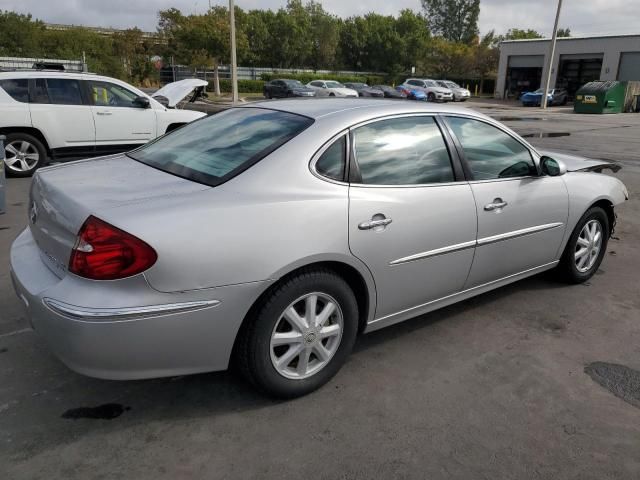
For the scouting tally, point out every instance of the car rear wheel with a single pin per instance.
(24, 154)
(586, 247)
(300, 335)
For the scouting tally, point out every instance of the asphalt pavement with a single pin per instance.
(532, 381)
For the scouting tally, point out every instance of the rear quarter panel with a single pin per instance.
(14, 114)
(275, 216)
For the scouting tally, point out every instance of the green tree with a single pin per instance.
(444, 59)
(414, 36)
(564, 32)
(518, 34)
(454, 20)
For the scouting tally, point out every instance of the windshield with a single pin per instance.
(359, 85)
(294, 83)
(540, 90)
(217, 148)
(334, 85)
(451, 85)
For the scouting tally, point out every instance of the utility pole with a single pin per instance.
(234, 66)
(552, 52)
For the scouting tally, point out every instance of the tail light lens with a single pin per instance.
(104, 252)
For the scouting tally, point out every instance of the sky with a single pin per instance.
(583, 17)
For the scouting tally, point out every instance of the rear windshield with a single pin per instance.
(217, 148)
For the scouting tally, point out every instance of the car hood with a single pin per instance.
(175, 92)
(581, 164)
(441, 90)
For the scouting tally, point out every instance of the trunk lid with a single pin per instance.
(63, 196)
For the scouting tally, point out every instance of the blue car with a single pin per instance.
(412, 94)
(557, 96)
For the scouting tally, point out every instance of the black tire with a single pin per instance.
(253, 351)
(567, 268)
(37, 144)
(431, 97)
(332, 94)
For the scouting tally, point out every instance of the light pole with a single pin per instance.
(234, 66)
(552, 51)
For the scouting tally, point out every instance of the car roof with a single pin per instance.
(356, 108)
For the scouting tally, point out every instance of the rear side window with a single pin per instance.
(217, 148)
(332, 162)
(402, 151)
(63, 91)
(39, 93)
(18, 89)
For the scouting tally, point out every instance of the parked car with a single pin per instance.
(412, 93)
(330, 88)
(3, 197)
(290, 252)
(364, 90)
(459, 94)
(286, 88)
(390, 92)
(557, 96)
(57, 115)
(434, 92)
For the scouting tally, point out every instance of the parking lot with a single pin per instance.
(494, 387)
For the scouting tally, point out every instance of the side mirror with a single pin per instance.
(552, 167)
(142, 102)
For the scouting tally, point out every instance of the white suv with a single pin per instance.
(57, 115)
(434, 92)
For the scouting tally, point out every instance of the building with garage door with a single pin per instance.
(577, 60)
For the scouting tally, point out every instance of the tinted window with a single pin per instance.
(402, 151)
(18, 89)
(39, 94)
(414, 82)
(109, 94)
(333, 161)
(490, 152)
(64, 91)
(217, 148)
(317, 84)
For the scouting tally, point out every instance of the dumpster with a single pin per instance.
(2, 188)
(600, 97)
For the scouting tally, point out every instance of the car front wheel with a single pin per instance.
(586, 247)
(24, 154)
(300, 335)
(431, 97)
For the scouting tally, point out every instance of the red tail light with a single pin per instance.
(104, 252)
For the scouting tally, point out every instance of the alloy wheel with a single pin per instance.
(588, 246)
(21, 156)
(306, 336)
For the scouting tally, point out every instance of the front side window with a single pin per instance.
(402, 151)
(219, 147)
(332, 162)
(18, 89)
(63, 91)
(105, 94)
(490, 152)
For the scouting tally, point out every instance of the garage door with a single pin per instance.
(629, 66)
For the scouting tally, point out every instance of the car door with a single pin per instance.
(412, 220)
(62, 113)
(281, 89)
(320, 88)
(119, 122)
(521, 215)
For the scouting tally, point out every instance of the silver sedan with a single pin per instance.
(273, 234)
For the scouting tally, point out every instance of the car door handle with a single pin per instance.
(383, 222)
(104, 113)
(497, 204)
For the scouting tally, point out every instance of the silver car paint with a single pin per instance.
(228, 244)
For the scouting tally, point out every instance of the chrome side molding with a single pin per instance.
(87, 314)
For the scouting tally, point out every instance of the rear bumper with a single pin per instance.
(97, 329)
